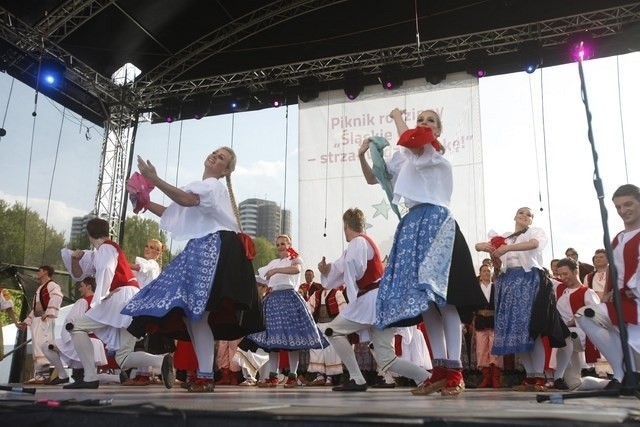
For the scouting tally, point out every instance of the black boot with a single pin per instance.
(77, 374)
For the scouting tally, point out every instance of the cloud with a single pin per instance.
(60, 214)
(261, 168)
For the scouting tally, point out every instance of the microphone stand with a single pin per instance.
(629, 384)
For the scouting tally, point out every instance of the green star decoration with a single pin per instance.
(382, 208)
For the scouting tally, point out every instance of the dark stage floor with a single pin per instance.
(306, 406)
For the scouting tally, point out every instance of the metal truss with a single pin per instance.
(224, 37)
(551, 32)
(123, 103)
(35, 43)
(117, 148)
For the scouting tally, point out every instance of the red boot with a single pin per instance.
(495, 376)
(486, 378)
(225, 379)
(433, 384)
(454, 383)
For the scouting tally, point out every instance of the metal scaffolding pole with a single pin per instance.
(115, 167)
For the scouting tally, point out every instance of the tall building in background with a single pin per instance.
(264, 218)
(79, 226)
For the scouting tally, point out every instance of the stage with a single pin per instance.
(305, 406)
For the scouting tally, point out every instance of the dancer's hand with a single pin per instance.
(364, 147)
(323, 267)
(147, 169)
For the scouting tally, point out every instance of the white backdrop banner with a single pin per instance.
(331, 131)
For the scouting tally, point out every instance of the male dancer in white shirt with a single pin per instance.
(360, 269)
(600, 322)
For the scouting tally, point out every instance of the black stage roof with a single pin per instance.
(192, 50)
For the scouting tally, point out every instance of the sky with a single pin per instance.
(534, 133)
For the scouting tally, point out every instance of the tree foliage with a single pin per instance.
(26, 239)
(265, 253)
(137, 232)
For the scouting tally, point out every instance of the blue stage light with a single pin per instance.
(51, 72)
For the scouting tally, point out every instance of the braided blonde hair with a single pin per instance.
(232, 166)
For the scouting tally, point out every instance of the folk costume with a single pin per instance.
(46, 302)
(430, 270)
(359, 269)
(484, 333)
(61, 351)
(289, 324)
(516, 289)
(208, 291)
(600, 322)
(325, 305)
(569, 358)
(115, 286)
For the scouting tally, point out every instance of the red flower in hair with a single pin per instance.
(498, 241)
(292, 253)
(419, 137)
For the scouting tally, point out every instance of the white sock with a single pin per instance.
(348, 357)
(84, 348)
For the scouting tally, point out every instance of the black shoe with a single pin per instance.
(82, 385)
(383, 384)
(614, 384)
(57, 381)
(350, 386)
(168, 375)
(559, 384)
(589, 372)
(124, 376)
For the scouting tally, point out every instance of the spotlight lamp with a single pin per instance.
(169, 110)
(530, 55)
(477, 62)
(581, 46)
(435, 72)
(391, 76)
(353, 84)
(276, 94)
(309, 88)
(51, 72)
(240, 99)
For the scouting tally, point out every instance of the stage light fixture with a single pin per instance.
(276, 94)
(530, 55)
(353, 84)
(391, 76)
(477, 62)
(197, 106)
(309, 88)
(51, 72)
(435, 71)
(581, 46)
(169, 110)
(240, 99)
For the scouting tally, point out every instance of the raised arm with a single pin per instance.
(179, 196)
(364, 165)
(401, 125)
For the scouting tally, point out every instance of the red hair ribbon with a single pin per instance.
(419, 137)
(292, 253)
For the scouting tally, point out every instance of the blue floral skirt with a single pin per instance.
(185, 283)
(417, 272)
(289, 324)
(211, 275)
(515, 293)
